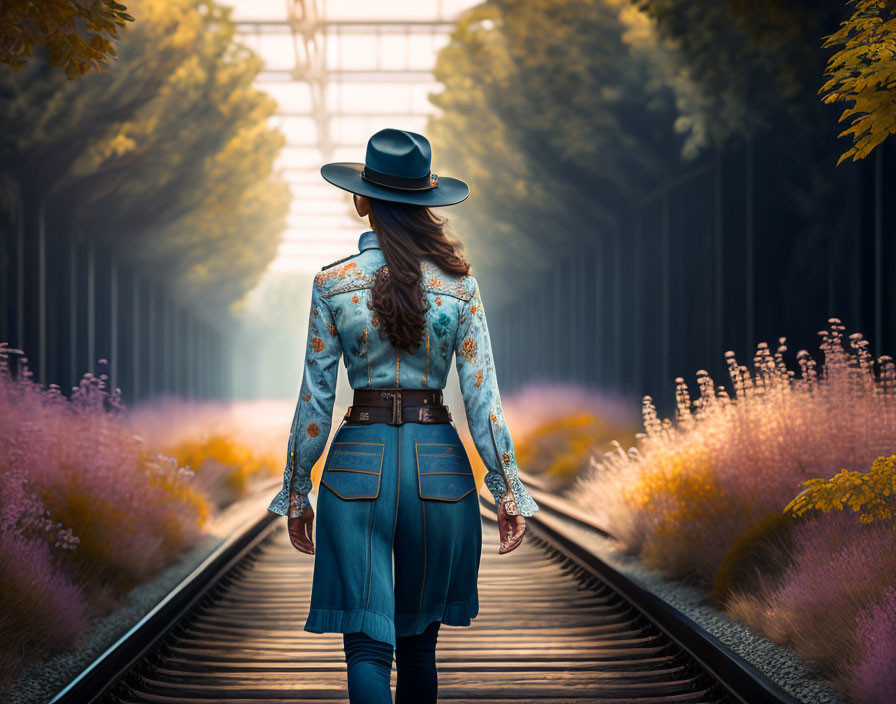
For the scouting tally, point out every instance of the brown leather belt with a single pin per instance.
(397, 406)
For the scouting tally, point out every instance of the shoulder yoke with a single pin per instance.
(339, 261)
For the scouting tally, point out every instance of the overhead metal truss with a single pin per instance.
(311, 34)
(320, 70)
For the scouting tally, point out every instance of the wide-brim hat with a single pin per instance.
(397, 168)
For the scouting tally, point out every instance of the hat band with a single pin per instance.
(406, 183)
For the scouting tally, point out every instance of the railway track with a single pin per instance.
(555, 625)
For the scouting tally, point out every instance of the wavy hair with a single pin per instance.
(408, 234)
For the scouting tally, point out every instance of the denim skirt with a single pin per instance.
(398, 532)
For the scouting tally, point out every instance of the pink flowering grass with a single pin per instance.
(838, 567)
(730, 460)
(873, 680)
(85, 512)
(720, 476)
(42, 607)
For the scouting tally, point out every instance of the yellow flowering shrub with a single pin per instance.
(561, 448)
(747, 446)
(680, 499)
(238, 465)
(870, 494)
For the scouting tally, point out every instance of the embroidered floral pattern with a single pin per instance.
(435, 281)
(455, 331)
(335, 272)
(348, 277)
(468, 349)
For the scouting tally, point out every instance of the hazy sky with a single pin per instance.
(322, 224)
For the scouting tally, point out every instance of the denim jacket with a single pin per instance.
(343, 324)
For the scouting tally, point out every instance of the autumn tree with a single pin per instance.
(556, 115)
(78, 36)
(758, 66)
(756, 62)
(167, 159)
(863, 73)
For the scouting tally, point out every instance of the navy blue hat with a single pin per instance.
(397, 168)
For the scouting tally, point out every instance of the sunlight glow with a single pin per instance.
(378, 60)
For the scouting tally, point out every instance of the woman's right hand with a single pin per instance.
(510, 530)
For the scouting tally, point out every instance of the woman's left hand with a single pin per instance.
(300, 531)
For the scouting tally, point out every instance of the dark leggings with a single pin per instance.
(369, 664)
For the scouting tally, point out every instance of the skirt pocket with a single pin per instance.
(443, 471)
(354, 469)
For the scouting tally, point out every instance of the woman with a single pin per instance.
(397, 490)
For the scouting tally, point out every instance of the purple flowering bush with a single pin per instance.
(86, 512)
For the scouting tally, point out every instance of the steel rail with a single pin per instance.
(715, 673)
(740, 679)
(105, 672)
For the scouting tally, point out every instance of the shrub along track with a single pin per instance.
(555, 625)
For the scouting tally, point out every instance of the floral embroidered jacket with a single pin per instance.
(342, 323)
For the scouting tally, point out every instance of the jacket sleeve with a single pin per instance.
(482, 403)
(314, 409)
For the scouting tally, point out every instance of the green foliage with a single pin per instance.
(78, 36)
(168, 158)
(863, 73)
(871, 494)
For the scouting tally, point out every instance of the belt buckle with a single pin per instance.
(396, 406)
(364, 415)
(424, 414)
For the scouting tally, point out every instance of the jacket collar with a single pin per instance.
(368, 240)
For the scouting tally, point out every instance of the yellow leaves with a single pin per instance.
(863, 72)
(78, 36)
(868, 493)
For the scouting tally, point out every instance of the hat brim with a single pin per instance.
(347, 176)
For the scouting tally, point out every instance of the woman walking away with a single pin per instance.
(399, 534)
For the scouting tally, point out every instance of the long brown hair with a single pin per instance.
(408, 234)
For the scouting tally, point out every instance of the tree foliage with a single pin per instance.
(554, 113)
(755, 62)
(167, 158)
(78, 36)
(863, 73)
(870, 494)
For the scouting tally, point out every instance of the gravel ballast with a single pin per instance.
(777, 662)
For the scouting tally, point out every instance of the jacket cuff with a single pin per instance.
(297, 504)
(524, 503)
